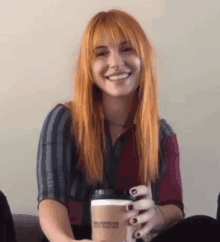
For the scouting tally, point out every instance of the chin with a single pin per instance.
(120, 94)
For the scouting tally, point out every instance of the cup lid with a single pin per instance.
(111, 194)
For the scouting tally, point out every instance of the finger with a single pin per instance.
(144, 230)
(143, 204)
(142, 218)
(140, 190)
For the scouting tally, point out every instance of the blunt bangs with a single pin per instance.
(112, 29)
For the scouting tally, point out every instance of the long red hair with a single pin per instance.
(86, 104)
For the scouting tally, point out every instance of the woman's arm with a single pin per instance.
(171, 207)
(170, 192)
(53, 172)
(54, 165)
(167, 216)
(55, 222)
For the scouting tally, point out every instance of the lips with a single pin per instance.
(107, 77)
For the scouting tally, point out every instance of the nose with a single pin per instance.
(115, 59)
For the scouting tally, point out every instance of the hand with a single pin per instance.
(147, 210)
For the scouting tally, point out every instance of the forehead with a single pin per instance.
(101, 39)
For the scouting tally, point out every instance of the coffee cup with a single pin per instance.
(109, 217)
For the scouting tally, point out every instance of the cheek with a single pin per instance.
(97, 68)
(137, 63)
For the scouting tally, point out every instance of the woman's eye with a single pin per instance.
(100, 54)
(127, 49)
(105, 53)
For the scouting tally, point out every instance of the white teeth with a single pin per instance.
(113, 78)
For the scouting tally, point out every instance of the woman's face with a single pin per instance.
(116, 68)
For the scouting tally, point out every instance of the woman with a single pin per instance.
(109, 135)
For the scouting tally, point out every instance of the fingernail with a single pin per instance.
(138, 235)
(133, 191)
(134, 220)
(130, 207)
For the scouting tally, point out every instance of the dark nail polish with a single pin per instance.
(133, 191)
(138, 234)
(134, 220)
(130, 207)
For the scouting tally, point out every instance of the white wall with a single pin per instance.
(39, 41)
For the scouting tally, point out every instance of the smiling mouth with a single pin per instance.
(119, 79)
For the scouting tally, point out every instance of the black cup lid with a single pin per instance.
(111, 194)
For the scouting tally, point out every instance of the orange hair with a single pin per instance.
(86, 106)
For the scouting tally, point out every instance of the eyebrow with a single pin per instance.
(104, 46)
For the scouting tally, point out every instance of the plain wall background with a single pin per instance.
(38, 44)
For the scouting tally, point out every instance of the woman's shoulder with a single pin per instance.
(59, 109)
(63, 107)
(165, 129)
(58, 117)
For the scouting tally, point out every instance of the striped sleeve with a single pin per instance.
(55, 156)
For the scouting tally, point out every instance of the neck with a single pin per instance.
(120, 111)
